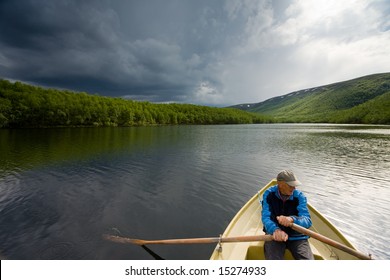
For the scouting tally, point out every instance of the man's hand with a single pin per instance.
(280, 235)
(285, 220)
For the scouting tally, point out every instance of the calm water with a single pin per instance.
(61, 189)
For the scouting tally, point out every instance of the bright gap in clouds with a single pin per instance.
(315, 43)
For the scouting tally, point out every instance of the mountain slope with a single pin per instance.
(362, 100)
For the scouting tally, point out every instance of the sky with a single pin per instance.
(215, 53)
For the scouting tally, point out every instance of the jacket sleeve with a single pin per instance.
(303, 219)
(269, 225)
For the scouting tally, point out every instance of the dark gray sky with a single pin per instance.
(193, 51)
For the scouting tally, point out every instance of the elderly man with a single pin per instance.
(283, 205)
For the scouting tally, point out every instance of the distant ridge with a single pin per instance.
(361, 100)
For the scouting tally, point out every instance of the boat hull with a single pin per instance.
(248, 222)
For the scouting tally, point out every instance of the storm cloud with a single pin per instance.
(203, 52)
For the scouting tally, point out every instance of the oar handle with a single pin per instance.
(249, 238)
(330, 242)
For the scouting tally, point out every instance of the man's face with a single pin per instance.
(285, 189)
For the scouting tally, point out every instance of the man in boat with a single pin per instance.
(283, 205)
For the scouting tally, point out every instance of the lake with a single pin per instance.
(61, 189)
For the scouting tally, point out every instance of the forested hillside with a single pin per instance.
(361, 100)
(23, 105)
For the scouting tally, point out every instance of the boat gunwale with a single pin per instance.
(238, 215)
(328, 223)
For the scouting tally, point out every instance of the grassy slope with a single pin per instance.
(361, 100)
(375, 111)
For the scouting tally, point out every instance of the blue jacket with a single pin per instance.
(295, 206)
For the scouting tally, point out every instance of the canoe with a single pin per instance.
(247, 222)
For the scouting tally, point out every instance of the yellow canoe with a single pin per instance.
(247, 222)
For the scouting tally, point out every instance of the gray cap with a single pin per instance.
(289, 177)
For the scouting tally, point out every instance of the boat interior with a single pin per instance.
(256, 252)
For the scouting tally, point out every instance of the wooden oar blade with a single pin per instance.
(124, 240)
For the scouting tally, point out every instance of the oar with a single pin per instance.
(330, 242)
(152, 253)
(205, 240)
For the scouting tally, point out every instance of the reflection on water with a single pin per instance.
(350, 175)
(60, 189)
